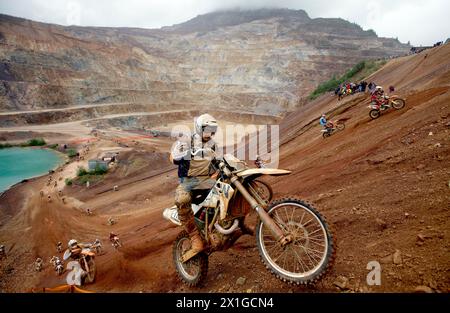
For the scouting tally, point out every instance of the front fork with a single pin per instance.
(86, 266)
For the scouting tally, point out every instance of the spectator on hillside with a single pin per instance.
(372, 87)
(341, 92)
(391, 89)
(363, 86)
(337, 90)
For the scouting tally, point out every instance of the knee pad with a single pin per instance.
(183, 198)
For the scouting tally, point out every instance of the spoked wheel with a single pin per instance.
(340, 125)
(398, 104)
(374, 114)
(261, 191)
(311, 251)
(194, 271)
(326, 134)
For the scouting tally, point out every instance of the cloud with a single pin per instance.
(421, 22)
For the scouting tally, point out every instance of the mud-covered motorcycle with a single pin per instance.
(333, 127)
(293, 238)
(386, 104)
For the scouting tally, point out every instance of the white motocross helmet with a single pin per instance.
(72, 243)
(205, 122)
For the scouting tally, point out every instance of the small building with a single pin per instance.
(109, 157)
(94, 164)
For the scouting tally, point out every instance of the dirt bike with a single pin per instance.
(293, 239)
(97, 246)
(59, 269)
(332, 127)
(115, 242)
(83, 268)
(387, 103)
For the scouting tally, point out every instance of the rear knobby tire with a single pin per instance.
(193, 272)
(300, 220)
(374, 114)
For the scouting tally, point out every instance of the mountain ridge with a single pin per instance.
(267, 63)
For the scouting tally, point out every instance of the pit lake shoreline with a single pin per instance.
(61, 160)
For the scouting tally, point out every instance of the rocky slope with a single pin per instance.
(263, 60)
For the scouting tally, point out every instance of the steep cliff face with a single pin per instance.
(262, 61)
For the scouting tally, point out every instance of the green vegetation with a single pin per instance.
(53, 146)
(36, 142)
(356, 73)
(97, 171)
(30, 143)
(82, 171)
(5, 145)
(68, 182)
(91, 176)
(72, 153)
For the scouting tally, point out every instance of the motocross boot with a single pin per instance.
(197, 244)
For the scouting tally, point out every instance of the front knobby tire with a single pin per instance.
(90, 276)
(398, 104)
(193, 272)
(340, 125)
(312, 251)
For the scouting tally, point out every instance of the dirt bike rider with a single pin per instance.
(113, 237)
(2, 252)
(195, 171)
(59, 246)
(378, 97)
(38, 264)
(259, 163)
(326, 124)
(74, 247)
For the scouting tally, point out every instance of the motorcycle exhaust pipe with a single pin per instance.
(229, 230)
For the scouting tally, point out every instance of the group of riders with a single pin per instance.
(74, 247)
(377, 97)
(349, 88)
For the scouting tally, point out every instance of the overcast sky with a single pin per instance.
(417, 21)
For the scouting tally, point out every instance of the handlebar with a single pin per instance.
(209, 150)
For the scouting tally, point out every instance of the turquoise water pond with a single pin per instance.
(17, 164)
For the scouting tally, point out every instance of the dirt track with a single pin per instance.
(382, 185)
